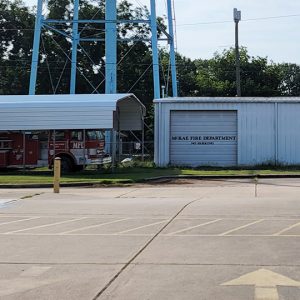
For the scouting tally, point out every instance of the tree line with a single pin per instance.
(198, 77)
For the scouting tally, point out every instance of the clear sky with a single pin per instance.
(276, 38)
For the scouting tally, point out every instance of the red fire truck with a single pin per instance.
(76, 148)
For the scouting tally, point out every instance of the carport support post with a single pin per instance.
(119, 135)
(143, 138)
(54, 143)
(24, 150)
(84, 148)
(113, 150)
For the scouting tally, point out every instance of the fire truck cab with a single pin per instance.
(76, 148)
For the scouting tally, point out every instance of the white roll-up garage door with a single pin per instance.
(203, 138)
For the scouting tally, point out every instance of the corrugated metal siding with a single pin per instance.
(130, 116)
(207, 138)
(69, 112)
(289, 134)
(256, 130)
(55, 116)
(256, 134)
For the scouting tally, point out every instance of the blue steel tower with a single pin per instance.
(111, 39)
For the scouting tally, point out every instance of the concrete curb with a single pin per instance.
(208, 177)
(150, 180)
(48, 185)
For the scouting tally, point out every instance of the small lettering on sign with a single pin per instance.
(205, 139)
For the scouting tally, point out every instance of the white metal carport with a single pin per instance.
(44, 112)
(111, 112)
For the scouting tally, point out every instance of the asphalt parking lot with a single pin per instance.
(184, 240)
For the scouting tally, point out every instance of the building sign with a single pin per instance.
(204, 139)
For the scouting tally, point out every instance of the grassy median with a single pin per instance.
(130, 174)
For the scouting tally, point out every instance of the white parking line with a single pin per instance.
(93, 226)
(287, 229)
(81, 234)
(233, 235)
(46, 225)
(241, 227)
(22, 220)
(152, 234)
(144, 226)
(189, 228)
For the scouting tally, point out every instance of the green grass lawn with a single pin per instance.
(119, 176)
(122, 175)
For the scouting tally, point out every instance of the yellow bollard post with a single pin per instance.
(57, 173)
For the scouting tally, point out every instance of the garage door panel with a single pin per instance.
(204, 121)
(221, 150)
(204, 129)
(206, 124)
(203, 138)
(194, 116)
(209, 149)
(204, 163)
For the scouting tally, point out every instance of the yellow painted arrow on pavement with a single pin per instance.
(265, 283)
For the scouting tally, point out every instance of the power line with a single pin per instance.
(245, 20)
(182, 25)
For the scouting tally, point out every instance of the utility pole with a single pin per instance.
(237, 16)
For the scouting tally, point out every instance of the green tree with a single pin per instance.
(16, 25)
(290, 79)
(187, 79)
(216, 76)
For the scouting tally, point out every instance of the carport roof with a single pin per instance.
(85, 111)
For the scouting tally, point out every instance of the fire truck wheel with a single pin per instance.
(66, 164)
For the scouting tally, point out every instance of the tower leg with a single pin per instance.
(111, 59)
(172, 50)
(75, 40)
(111, 47)
(36, 48)
(156, 77)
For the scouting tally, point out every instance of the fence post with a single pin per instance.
(57, 173)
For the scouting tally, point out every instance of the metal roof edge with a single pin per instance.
(62, 97)
(228, 100)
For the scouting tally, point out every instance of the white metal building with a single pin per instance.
(227, 131)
